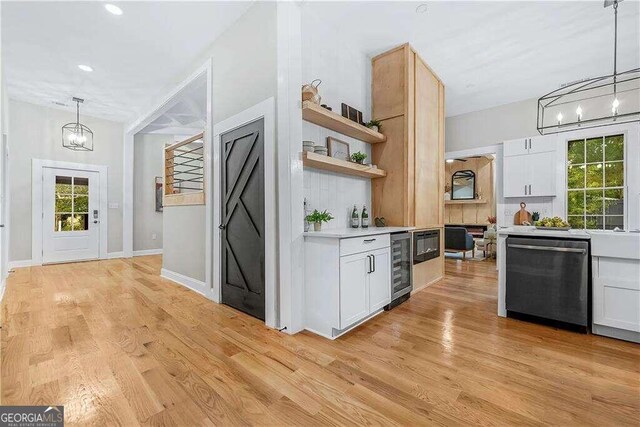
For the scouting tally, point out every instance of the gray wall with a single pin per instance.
(244, 73)
(35, 134)
(148, 164)
(491, 126)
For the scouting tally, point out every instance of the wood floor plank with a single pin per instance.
(116, 344)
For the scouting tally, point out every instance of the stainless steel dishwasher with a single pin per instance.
(548, 278)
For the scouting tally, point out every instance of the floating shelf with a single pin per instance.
(328, 119)
(465, 202)
(319, 161)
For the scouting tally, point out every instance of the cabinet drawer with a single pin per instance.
(355, 245)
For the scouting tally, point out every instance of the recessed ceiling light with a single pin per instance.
(422, 8)
(85, 68)
(450, 160)
(112, 8)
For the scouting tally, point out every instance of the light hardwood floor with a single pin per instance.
(116, 344)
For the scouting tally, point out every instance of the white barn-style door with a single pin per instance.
(70, 215)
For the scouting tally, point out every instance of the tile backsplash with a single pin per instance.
(542, 205)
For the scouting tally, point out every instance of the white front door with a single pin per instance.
(70, 216)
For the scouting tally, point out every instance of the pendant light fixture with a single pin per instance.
(600, 101)
(76, 136)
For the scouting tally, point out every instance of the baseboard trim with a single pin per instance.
(144, 252)
(188, 282)
(114, 255)
(20, 264)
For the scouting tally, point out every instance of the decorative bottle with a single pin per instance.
(355, 220)
(365, 217)
(306, 212)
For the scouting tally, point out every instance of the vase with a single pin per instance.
(317, 226)
(447, 196)
(375, 128)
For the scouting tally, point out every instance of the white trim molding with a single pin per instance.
(144, 252)
(186, 281)
(264, 110)
(20, 264)
(36, 203)
(115, 255)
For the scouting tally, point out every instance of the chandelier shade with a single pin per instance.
(76, 136)
(601, 101)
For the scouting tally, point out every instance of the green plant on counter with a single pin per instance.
(319, 217)
(358, 157)
(371, 123)
(535, 216)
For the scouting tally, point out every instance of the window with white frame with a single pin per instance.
(595, 182)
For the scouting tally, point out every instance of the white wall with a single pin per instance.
(36, 134)
(346, 77)
(4, 193)
(148, 164)
(244, 73)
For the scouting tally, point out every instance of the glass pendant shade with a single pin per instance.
(601, 101)
(76, 136)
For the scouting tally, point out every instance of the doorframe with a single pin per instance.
(263, 110)
(37, 166)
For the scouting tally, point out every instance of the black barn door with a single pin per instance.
(243, 219)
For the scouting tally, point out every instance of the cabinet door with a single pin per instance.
(515, 176)
(541, 174)
(380, 280)
(515, 147)
(542, 144)
(354, 291)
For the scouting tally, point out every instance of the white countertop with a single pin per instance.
(532, 231)
(341, 233)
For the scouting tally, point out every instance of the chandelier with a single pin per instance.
(76, 136)
(600, 101)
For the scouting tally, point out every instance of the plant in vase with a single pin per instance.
(376, 125)
(447, 192)
(535, 217)
(358, 157)
(492, 220)
(317, 218)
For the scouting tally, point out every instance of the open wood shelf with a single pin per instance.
(465, 202)
(319, 161)
(322, 117)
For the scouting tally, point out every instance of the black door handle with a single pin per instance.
(373, 258)
(370, 270)
(221, 227)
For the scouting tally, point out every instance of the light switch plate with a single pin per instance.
(114, 205)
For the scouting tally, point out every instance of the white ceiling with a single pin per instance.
(136, 57)
(487, 53)
(494, 53)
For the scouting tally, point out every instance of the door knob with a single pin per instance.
(222, 227)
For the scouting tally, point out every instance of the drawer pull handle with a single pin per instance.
(369, 240)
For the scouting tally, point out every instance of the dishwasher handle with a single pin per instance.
(547, 248)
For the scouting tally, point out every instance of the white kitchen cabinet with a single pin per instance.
(532, 173)
(347, 280)
(354, 292)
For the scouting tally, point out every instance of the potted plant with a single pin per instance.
(358, 157)
(376, 125)
(447, 192)
(535, 217)
(317, 218)
(492, 220)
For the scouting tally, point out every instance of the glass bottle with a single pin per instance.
(355, 219)
(365, 217)
(306, 212)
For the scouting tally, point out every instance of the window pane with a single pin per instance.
(81, 222)
(595, 176)
(575, 176)
(594, 202)
(81, 185)
(575, 202)
(575, 152)
(614, 174)
(63, 222)
(614, 148)
(614, 202)
(594, 223)
(594, 150)
(81, 204)
(611, 222)
(576, 221)
(63, 203)
(63, 185)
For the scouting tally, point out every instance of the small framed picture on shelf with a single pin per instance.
(345, 110)
(338, 149)
(353, 114)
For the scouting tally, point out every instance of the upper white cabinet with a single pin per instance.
(529, 167)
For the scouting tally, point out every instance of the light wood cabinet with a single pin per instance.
(408, 98)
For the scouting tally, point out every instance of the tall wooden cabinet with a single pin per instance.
(408, 98)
